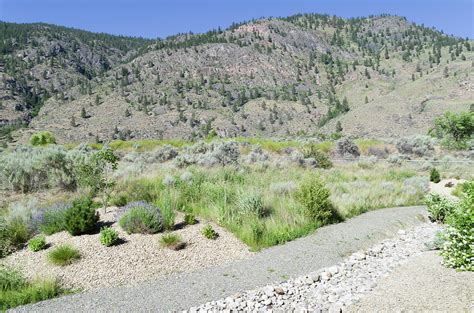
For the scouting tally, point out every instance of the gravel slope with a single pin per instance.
(421, 285)
(325, 247)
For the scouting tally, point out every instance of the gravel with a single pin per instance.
(336, 287)
(322, 249)
(139, 258)
(421, 285)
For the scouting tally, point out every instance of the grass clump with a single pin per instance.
(37, 243)
(15, 290)
(82, 218)
(108, 236)
(63, 255)
(252, 204)
(172, 241)
(142, 218)
(209, 232)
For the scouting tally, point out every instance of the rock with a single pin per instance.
(326, 275)
(359, 256)
(279, 291)
(333, 270)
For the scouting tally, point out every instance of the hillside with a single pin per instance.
(380, 76)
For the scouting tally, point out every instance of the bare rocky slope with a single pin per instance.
(379, 76)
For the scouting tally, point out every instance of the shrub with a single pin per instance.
(63, 255)
(251, 204)
(209, 232)
(455, 129)
(418, 145)
(172, 241)
(141, 217)
(108, 236)
(439, 207)
(416, 185)
(457, 250)
(81, 218)
(42, 138)
(435, 176)
(347, 148)
(15, 290)
(321, 158)
(29, 169)
(51, 220)
(314, 196)
(18, 232)
(169, 181)
(189, 219)
(37, 243)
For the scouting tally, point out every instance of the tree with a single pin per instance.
(386, 54)
(83, 113)
(454, 127)
(338, 127)
(97, 100)
(73, 121)
(97, 173)
(445, 72)
(366, 99)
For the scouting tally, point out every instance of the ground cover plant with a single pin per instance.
(15, 290)
(63, 255)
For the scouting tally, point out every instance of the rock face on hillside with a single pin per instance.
(378, 76)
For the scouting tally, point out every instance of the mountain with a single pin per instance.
(380, 76)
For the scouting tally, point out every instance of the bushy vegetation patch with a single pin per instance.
(37, 243)
(435, 177)
(321, 158)
(52, 219)
(456, 130)
(81, 218)
(63, 255)
(314, 196)
(439, 207)
(209, 232)
(457, 241)
(42, 138)
(15, 290)
(108, 236)
(141, 217)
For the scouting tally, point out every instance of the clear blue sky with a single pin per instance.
(161, 18)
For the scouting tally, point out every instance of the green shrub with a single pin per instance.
(209, 232)
(189, 219)
(439, 207)
(15, 290)
(141, 217)
(37, 243)
(172, 241)
(53, 219)
(42, 138)
(108, 236)
(435, 177)
(82, 218)
(18, 232)
(322, 159)
(457, 250)
(314, 196)
(63, 255)
(252, 204)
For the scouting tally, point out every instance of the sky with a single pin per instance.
(161, 18)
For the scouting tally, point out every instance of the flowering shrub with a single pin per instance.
(458, 247)
(140, 217)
